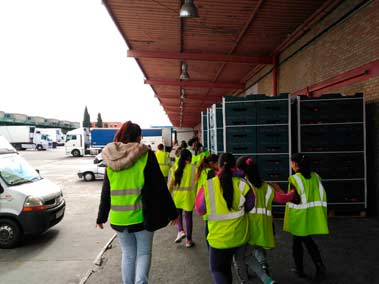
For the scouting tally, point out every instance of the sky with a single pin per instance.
(58, 56)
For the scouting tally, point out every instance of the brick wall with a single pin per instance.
(345, 46)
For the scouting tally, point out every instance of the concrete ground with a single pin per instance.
(350, 254)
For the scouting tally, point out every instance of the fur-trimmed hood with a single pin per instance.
(118, 155)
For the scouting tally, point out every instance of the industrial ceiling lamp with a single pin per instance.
(184, 75)
(182, 94)
(188, 10)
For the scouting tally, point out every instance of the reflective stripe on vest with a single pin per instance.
(263, 211)
(304, 204)
(127, 207)
(125, 192)
(217, 217)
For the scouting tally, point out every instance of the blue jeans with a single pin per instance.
(136, 256)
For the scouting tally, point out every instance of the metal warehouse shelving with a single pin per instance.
(216, 129)
(205, 130)
(331, 131)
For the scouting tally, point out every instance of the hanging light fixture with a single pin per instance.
(184, 75)
(182, 94)
(188, 10)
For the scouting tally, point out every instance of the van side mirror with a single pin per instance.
(37, 170)
(1, 189)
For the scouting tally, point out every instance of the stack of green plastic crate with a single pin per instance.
(259, 126)
(331, 131)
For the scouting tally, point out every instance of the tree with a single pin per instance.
(86, 118)
(99, 120)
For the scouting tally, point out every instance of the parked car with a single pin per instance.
(93, 171)
(29, 203)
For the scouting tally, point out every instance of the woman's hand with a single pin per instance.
(101, 226)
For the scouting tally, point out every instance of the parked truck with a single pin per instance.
(82, 141)
(56, 135)
(25, 137)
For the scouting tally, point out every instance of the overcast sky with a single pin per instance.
(56, 56)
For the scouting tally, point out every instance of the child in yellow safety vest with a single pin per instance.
(163, 159)
(307, 218)
(261, 235)
(225, 199)
(183, 189)
(206, 170)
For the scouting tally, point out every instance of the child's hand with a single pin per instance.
(277, 187)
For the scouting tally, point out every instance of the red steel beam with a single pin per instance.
(196, 84)
(345, 79)
(200, 57)
(194, 96)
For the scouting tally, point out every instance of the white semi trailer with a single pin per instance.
(25, 137)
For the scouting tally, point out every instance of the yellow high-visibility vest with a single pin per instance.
(227, 228)
(126, 186)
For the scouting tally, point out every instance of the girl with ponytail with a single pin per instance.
(309, 217)
(206, 170)
(225, 199)
(183, 189)
(261, 237)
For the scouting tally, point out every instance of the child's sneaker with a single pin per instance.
(269, 280)
(189, 244)
(181, 235)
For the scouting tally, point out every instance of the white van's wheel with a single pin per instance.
(10, 233)
(39, 147)
(75, 153)
(88, 176)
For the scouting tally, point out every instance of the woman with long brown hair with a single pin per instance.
(135, 196)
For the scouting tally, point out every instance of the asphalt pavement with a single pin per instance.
(350, 253)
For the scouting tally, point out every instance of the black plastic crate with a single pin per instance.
(338, 166)
(240, 113)
(241, 134)
(273, 167)
(272, 112)
(272, 139)
(318, 138)
(331, 111)
(345, 191)
(241, 147)
(261, 97)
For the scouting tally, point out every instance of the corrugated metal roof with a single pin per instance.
(241, 27)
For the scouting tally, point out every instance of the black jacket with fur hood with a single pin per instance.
(157, 205)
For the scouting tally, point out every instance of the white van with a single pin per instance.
(29, 204)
